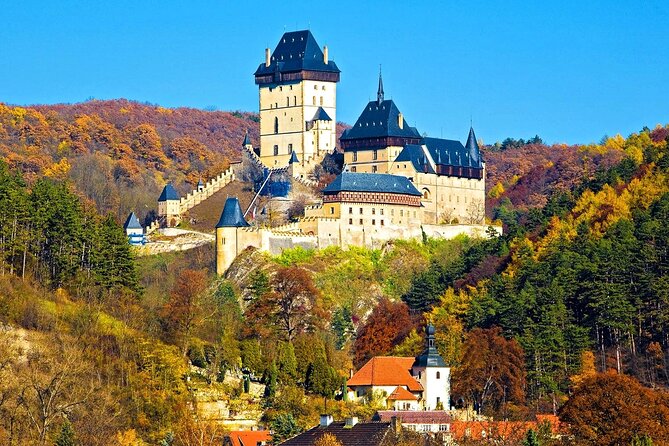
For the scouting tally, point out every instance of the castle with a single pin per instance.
(395, 184)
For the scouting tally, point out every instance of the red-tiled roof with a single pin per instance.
(386, 371)
(402, 394)
(415, 416)
(249, 438)
(477, 430)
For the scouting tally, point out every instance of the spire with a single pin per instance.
(247, 140)
(472, 148)
(430, 356)
(379, 93)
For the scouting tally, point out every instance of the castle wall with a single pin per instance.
(371, 161)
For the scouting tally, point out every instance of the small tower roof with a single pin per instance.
(321, 115)
(168, 193)
(293, 158)
(247, 140)
(473, 148)
(430, 356)
(200, 183)
(232, 215)
(132, 222)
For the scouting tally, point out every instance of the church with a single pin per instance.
(395, 183)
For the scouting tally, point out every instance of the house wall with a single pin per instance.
(436, 384)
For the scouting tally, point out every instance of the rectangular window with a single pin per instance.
(360, 211)
(290, 147)
(381, 211)
(392, 212)
(373, 211)
(444, 428)
(276, 150)
(332, 210)
(375, 154)
(350, 221)
(401, 212)
(373, 222)
(374, 169)
(355, 156)
(382, 222)
(353, 169)
(350, 210)
(361, 221)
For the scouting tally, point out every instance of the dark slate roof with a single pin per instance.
(293, 158)
(232, 215)
(380, 120)
(297, 51)
(473, 147)
(321, 115)
(200, 183)
(247, 140)
(361, 434)
(414, 416)
(414, 154)
(430, 356)
(132, 222)
(372, 182)
(451, 153)
(168, 193)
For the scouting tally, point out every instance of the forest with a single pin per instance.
(565, 314)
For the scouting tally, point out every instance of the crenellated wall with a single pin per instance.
(212, 186)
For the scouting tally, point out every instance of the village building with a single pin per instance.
(405, 384)
(349, 432)
(248, 438)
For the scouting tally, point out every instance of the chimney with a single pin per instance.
(267, 57)
(351, 421)
(400, 120)
(325, 54)
(396, 424)
(326, 420)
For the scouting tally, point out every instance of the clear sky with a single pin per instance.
(570, 71)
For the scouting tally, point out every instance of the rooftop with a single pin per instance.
(386, 371)
(249, 438)
(232, 215)
(168, 193)
(402, 394)
(132, 222)
(414, 416)
(372, 182)
(380, 119)
(360, 434)
(297, 51)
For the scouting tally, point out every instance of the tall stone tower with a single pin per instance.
(298, 102)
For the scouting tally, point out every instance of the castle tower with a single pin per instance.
(169, 208)
(298, 101)
(227, 234)
(431, 371)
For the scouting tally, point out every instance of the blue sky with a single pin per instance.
(570, 71)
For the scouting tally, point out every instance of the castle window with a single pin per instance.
(361, 221)
(438, 377)
(287, 101)
(332, 210)
(321, 100)
(294, 100)
(355, 156)
(323, 87)
(373, 222)
(276, 125)
(374, 169)
(392, 212)
(291, 87)
(276, 105)
(290, 147)
(426, 194)
(373, 211)
(350, 221)
(315, 87)
(350, 210)
(375, 154)
(381, 211)
(360, 211)
(401, 212)
(354, 169)
(280, 88)
(381, 222)
(276, 150)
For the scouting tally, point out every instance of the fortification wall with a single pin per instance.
(212, 186)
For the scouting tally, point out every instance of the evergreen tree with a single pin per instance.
(287, 367)
(531, 439)
(66, 435)
(342, 325)
(270, 381)
(283, 427)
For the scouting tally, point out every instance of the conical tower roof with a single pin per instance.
(232, 215)
(132, 222)
(473, 148)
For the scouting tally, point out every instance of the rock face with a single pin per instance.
(173, 239)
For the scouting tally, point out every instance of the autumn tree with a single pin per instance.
(491, 371)
(327, 439)
(184, 309)
(385, 328)
(612, 409)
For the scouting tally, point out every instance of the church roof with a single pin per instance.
(386, 371)
(380, 119)
(168, 193)
(297, 51)
(321, 115)
(372, 182)
(402, 394)
(132, 222)
(232, 215)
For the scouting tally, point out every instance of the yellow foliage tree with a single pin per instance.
(447, 319)
(58, 170)
(587, 368)
(327, 439)
(128, 438)
(496, 191)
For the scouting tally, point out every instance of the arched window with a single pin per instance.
(426, 193)
(276, 125)
(314, 100)
(438, 375)
(321, 100)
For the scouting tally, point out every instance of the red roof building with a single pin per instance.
(248, 438)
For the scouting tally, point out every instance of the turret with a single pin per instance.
(133, 229)
(227, 237)
(473, 150)
(169, 208)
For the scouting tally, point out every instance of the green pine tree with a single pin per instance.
(531, 439)
(66, 435)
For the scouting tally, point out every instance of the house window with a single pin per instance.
(276, 125)
(276, 150)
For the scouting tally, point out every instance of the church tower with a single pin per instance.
(298, 102)
(430, 370)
